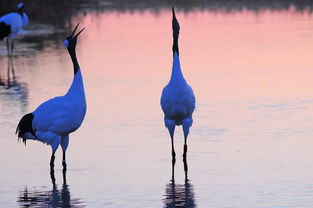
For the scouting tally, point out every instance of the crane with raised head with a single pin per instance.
(53, 120)
(177, 99)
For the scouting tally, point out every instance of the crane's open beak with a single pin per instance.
(79, 33)
(72, 35)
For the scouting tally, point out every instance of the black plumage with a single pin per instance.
(25, 125)
(5, 30)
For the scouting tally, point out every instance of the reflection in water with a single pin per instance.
(10, 69)
(179, 195)
(11, 90)
(10, 79)
(46, 198)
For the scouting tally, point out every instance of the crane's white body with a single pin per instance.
(60, 116)
(177, 100)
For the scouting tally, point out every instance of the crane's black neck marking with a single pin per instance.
(20, 11)
(5, 30)
(72, 53)
(176, 28)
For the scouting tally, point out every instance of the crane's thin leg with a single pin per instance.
(52, 176)
(8, 47)
(186, 170)
(64, 145)
(8, 73)
(186, 125)
(185, 149)
(170, 125)
(64, 162)
(173, 151)
(171, 129)
(64, 176)
(173, 172)
(12, 47)
(13, 72)
(52, 161)
(54, 147)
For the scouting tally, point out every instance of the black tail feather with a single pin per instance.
(25, 125)
(5, 30)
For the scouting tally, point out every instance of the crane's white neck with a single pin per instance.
(77, 86)
(177, 75)
(25, 19)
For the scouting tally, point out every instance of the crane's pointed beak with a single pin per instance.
(175, 24)
(173, 12)
(79, 33)
(75, 29)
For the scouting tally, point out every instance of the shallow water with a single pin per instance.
(250, 144)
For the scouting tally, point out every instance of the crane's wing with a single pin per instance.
(57, 115)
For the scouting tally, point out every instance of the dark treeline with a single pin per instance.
(60, 12)
(55, 12)
(211, 5)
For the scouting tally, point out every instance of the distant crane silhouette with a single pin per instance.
(177, 99)
(11, 25)
(55, 119)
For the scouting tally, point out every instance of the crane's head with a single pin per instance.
(20, 7)
(71, 40)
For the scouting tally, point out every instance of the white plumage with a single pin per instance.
(177, 99)
(11, 25)
(55, 119)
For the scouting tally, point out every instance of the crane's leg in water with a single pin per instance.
(12, 68)
(186, 170)
(12, 47)
(8, 47)
(64, 145)
(173, 150)
(52, 176)
(185, 149)
(52, 161)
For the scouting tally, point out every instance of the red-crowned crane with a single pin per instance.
(177, 99)
(11, 25)
(55, 119)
